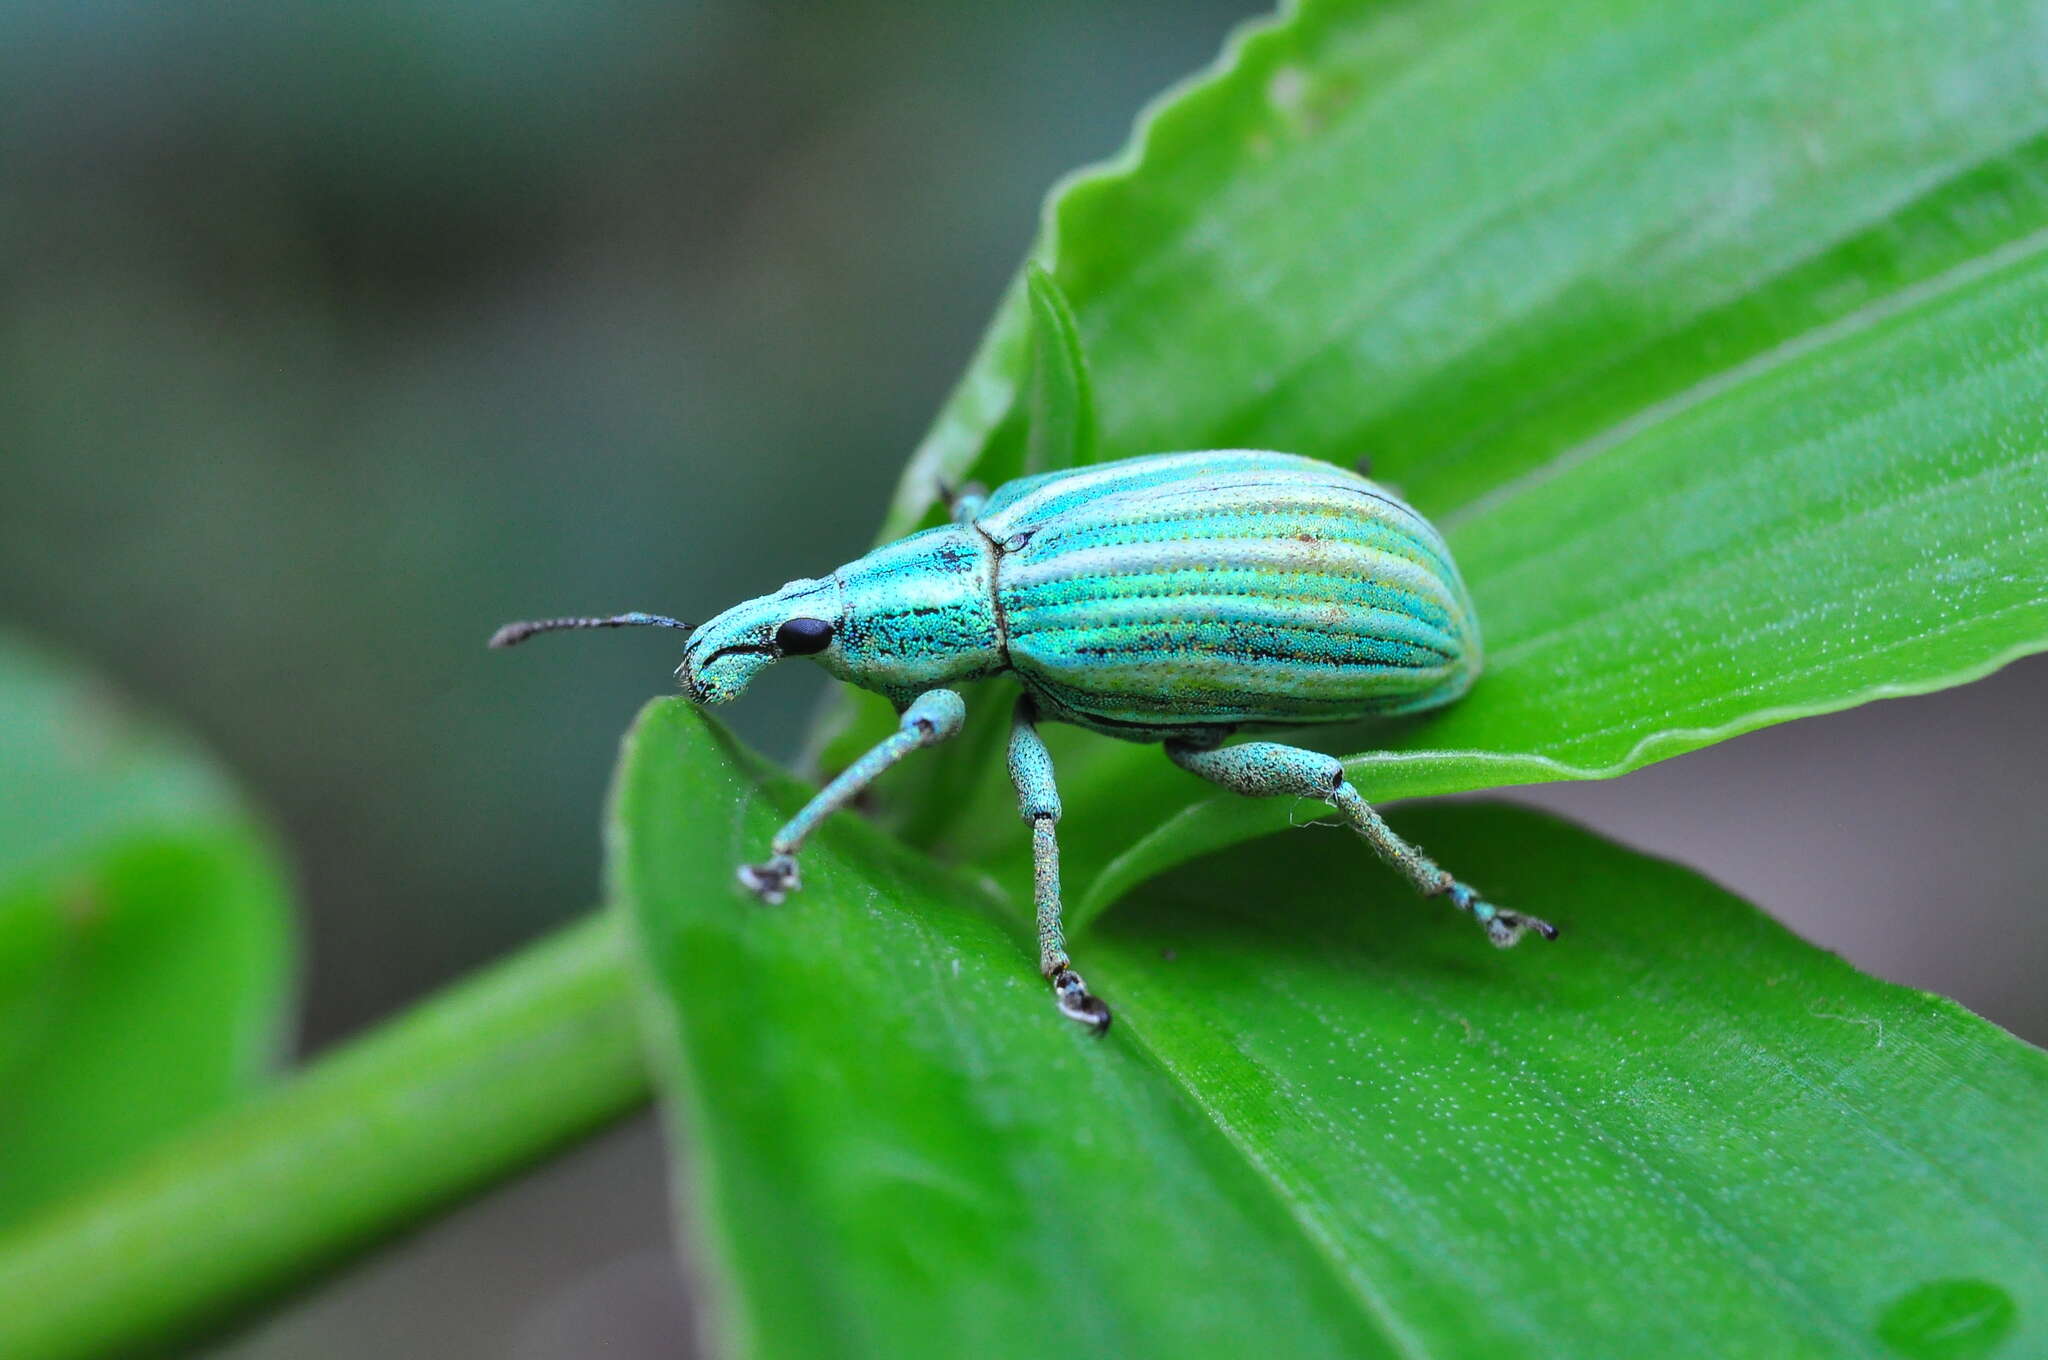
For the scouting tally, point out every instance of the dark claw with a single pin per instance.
(1090, 1011)
(1518, 922)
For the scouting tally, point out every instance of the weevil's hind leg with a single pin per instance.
(930, 718)
(1264, 769)
(1038, 802)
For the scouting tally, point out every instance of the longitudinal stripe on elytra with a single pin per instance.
(1213, 678)
(1250, 492)
(1305, 566)
(1096, 706)
(1324, 522)
(1215, 587)
(1158, 620)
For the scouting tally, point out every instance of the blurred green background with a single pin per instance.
(334, 335)
(331, 336)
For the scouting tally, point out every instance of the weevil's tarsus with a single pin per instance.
(1263, 769)
(1038, 803)
(512, 634)
(772, 881)
(1077, 1003)
(1503, 928)
(929, 719)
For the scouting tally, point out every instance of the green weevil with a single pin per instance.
(1176, 597)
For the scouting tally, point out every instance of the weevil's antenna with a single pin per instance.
(512, 634)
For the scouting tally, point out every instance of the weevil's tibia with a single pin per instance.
(1260, 769)
(930, 718)
(1038, 802)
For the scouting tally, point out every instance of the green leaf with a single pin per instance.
(1329, 1119)
(145, 937)
(1062, 421)
(1712, 334)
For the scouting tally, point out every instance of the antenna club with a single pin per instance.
(512, 634)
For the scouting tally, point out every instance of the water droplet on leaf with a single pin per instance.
(1948, 1320)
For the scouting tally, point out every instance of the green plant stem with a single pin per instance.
(470, 1086)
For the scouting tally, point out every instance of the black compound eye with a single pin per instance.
(803, 637)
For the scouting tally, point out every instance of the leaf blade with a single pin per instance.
(788, 1164)
(1320, 1124)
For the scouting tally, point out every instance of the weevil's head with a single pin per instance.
(723, 656)
(910, 616)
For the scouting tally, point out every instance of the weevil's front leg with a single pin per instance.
(1038, 801)
(1264, 768)
(931, 718)
(962, 503)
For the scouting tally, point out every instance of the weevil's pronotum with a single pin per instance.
(1177, 598)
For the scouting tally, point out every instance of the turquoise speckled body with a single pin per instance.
(1173, 598)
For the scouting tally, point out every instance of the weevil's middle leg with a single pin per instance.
(930, 718)
(1265, 768)
(1038, 801)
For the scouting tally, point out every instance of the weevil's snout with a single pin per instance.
(723, 657)
(711, 674)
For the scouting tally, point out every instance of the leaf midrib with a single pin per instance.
(1888, 214)
(1756, 367)
(1317, 1236)
(1559, 636)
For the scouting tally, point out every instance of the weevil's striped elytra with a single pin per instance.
(1177, 598)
